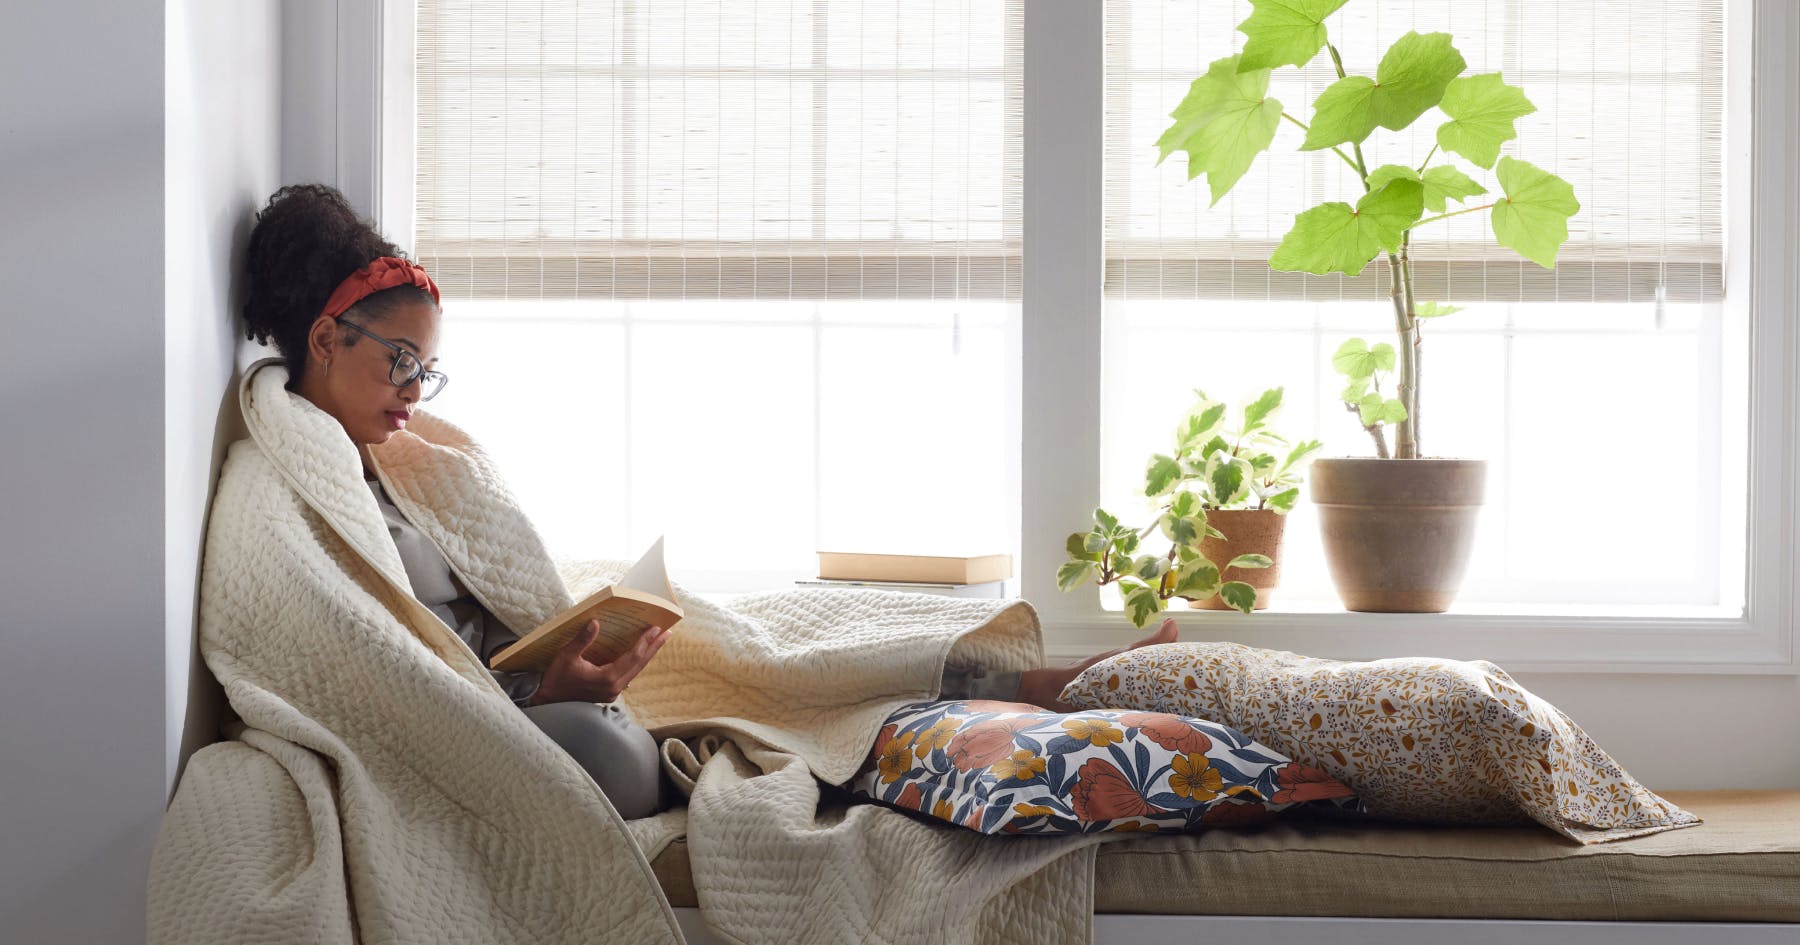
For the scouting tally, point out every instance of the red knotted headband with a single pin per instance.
(384, 273)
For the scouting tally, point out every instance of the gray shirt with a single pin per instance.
(438, 588)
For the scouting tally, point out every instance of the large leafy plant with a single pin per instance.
(1212, 467)
(1228, 118)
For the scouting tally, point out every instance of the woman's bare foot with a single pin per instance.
(1040, 687)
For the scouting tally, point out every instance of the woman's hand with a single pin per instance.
(573, 677)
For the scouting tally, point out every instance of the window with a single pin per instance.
(754, 267)
(1596, 390)
(684, 247)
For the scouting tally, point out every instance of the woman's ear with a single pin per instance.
(322, 340)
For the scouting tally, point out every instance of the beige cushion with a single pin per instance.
(1420, 740)
(1742, 864)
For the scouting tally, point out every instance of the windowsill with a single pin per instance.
(1312, 607)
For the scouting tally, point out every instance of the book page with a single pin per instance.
(649, 574)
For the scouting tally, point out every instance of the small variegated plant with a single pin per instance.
(1228, 118)
(1211, 468)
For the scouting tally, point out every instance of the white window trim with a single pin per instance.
(1060, 347)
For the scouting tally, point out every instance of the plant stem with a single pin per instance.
(1413, 415)
(1381, 450)
(1406, 329)
(1335, 150)
(1428, 157)
(1453, 213)
(1362, 168)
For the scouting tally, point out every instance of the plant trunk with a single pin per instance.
(1418, 345)
(1406, 328)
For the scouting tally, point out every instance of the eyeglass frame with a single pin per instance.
(418, 375)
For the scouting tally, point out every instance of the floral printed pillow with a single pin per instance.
(1418, 739)
(991, 768)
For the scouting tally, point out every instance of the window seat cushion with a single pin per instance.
(1741, 864)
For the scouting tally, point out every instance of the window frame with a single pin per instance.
(1060, 355)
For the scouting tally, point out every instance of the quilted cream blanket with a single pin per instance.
(380, 788)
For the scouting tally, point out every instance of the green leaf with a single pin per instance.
(1127, 542)
(1298, 456)
(1334, 238)
(1161, 475)
(1198, 579)
(1201, 421)
(1185, 504)
(1283, 502)
(1182, 529)
(1251, 562)
(1215, 445)
(1239, 595)
(1078, 549)
(1261, 464)
(1225, 121)
(1442, 183)
(1356, 360)
(1445, 183)
(1355, 391)
(1072, 573)
(1212, 532)
(1106, 522)
(1411, 78)
(1095, 542)
(1434, 309)
(1142, 604)
(1376, 410)
(1284, 32)
(1261, 408)
(1533, 218)
(1228, 479)
(1150, 567)
(1482, 109)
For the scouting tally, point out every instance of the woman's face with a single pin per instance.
(357, 390)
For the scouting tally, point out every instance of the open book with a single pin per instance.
(642, 598)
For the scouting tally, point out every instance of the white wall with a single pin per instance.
(222, 161)
(124, 190)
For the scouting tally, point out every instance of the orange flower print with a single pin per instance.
(1300, 783)
(1101, 792)
(936, 737)
(1097, 732)
(984, 743)
(943, 811)
(911, 798)
(1033, 810)
(1023, 766)
(894, 761)
(1172, 732)
(1134, 826)
(1231, 814)
(1195, 777)
(887, 732)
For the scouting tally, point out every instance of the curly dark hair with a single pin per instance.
(305, 242)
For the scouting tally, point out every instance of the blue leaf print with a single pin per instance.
(1055, 773)
(1064, 744)
(1249, 755)
(1232, 774)
(1143, 759)
(1170, 801)
(1021, 740)
(993, 816)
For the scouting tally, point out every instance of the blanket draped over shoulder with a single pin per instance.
(381, 788)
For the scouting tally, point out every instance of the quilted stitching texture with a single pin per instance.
(383, 789)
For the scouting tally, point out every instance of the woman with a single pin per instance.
(358, 327)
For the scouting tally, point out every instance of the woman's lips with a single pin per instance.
(397, 418)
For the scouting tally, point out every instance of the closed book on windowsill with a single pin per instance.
(640, 599)
(987, 589)
(928, 569)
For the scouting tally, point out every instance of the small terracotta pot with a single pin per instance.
(1397, 532)
(1247, 532)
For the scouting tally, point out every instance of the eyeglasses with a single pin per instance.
(407, 367)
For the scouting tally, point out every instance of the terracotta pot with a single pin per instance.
(1397, 532)
(1247, 532)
